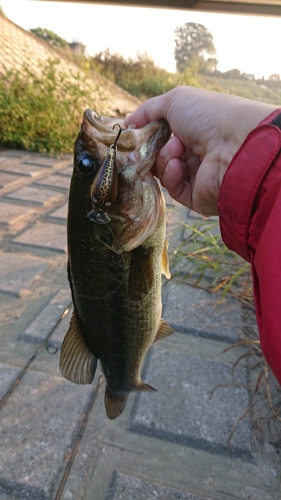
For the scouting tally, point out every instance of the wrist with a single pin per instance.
(252, 113)
(245, 117)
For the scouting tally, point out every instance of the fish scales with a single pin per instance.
(115, 259)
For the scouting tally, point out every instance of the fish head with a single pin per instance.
(115, 168)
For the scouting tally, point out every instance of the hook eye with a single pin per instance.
(51, 349)
(119, 133)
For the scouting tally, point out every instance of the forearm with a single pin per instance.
(250, 217)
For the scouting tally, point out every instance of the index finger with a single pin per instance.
(149, 111)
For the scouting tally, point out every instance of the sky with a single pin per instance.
(249, 43)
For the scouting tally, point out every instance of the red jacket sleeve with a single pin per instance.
(250, 219)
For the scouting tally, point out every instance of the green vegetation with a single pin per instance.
(140, 76)
(43, 113)
(259, 90)
(50, 37)
(203, 260)
(40, 113)
(194, 44)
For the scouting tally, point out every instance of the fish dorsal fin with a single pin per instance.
(114, 403)
(164, 330)
(165, 260)
(77, 362)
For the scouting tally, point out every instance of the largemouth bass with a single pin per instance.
(117, 251)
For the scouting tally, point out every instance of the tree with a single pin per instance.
(274, 78)
(233, 74)
(50, 37)
(194, 44)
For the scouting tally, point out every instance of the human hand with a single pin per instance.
(208, 129)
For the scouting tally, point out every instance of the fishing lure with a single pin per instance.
(105, 186)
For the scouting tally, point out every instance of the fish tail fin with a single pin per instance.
(114, 403)
(146, 387)
(77, 363)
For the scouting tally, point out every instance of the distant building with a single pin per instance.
(249, 76)
(77, 47)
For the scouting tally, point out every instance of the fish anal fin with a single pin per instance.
(164, 330)
(114, 403)
(141, 272)
(165, 260)
(143, 387)
(77, 363)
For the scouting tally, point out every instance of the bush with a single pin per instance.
(140, 76)
(40, 112)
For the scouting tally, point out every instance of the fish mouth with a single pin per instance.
(147, 140)
(127, 152)
(101, 129)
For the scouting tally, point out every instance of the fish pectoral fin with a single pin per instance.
(77, 363)
(141, 272)
(165, 261)
(164, 330)
(105, 235)
(114, 403)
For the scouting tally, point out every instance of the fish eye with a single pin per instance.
(86, 163)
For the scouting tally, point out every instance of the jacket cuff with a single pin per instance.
(242, 182)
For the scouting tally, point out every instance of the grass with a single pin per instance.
(249, 89)
(202, 260)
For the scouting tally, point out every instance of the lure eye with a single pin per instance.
(86, 163)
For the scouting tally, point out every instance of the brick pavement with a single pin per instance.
(56, 442)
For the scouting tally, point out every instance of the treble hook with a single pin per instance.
(118, 135)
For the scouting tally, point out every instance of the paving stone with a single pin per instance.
(208, 226)
(195, 215)
(19, 272)
(179, 467)
(66, 171)
(34, 195)
(7, 180)
(10, 213)
(4, 159)
(43, 161)
(42, 325)
(59, 333)
(175, 227)
(192, 310)
(20, 168)
(13, 153)
(44, 235)
(60, 213)
(54, 180)
(40, 422)
(85, 458)
(175, 217)
(7, 376)
(184, 411)
(127, 487)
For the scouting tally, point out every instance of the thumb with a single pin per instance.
(149, 111)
